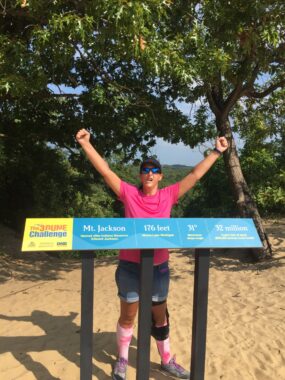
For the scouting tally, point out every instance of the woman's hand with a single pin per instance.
(82, 136)
(221, 144)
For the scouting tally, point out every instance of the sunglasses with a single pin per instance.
(148, 170)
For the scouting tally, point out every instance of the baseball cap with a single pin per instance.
(150, 161)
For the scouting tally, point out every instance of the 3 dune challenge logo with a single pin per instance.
(48, 234)
(48, 230)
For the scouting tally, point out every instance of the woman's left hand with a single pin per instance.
(221, 144)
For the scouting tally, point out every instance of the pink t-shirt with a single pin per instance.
(139, 205)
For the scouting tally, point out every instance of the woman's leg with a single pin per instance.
(124, 337)
(161, 331)
(125, 327)
(160, 328)
(127, 279)
(128, 313)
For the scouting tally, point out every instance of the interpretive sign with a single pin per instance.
(128, 233)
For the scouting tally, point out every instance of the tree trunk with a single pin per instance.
(245, 203)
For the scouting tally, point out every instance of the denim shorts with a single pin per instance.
(128, 281)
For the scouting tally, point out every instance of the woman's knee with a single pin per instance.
(159, 312)
(128, 314)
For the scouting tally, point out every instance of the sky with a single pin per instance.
(170, 154)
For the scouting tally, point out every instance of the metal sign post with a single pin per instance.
(144, 318)
(200, 306)
(86, 331)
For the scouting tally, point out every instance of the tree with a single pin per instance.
(262, 156)
(217, 52)
(237, 51)
(121, 66)
(68, 65)
(250, 50)
(61, 68)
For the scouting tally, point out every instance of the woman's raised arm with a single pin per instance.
(202, 167)
(111, 178)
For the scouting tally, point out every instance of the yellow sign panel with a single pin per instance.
(48, 234)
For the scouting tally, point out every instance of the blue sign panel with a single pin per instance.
(194, 233)
(232, 233)
(103, 233)
(140, 233)
(157, 233)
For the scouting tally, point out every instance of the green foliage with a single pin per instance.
(265, 178)
(212, 196)
(119, 68)
(271, 199)
(129, 62)
(42, 183)
(262, 127)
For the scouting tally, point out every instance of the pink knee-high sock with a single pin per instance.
(163, 347)
(124, 337)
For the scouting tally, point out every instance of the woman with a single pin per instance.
(148, 201)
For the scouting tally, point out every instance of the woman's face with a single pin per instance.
(149, 178)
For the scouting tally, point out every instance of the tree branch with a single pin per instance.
(71, 151)
(253, 77)
(106, 77)
(65, 95)
(233, 97)
(212, 103)
(241, 90)
(269, 90)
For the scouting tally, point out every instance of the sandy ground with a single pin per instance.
(40, 314)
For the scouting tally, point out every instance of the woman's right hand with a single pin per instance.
(82, 136)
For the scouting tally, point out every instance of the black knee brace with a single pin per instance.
(160, 333)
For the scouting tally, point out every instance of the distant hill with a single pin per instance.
(178, 166)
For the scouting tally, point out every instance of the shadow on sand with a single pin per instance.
(67, 345)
